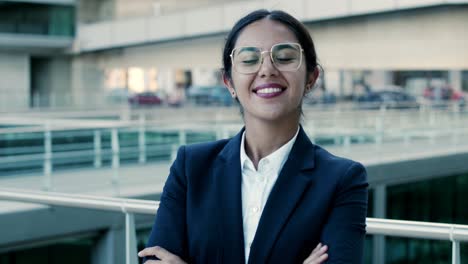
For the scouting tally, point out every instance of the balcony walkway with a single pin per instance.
(136, 180)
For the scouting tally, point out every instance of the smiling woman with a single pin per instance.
(267, 195)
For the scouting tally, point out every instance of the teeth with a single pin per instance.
(269, 90)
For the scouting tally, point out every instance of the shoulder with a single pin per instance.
(205, 150)
(339, 166)
(200, 154)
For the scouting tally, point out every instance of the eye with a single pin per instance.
(249, 61)
(285, 56)
(285, 59)
(248, 58)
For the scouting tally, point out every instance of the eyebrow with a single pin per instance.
(248, 49)
(285, 46)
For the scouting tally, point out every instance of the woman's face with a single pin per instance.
(269, 94)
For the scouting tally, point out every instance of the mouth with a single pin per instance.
(269, 90)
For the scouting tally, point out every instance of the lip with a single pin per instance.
(269, 85)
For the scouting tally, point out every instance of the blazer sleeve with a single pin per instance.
(169, 229)
(345, 229)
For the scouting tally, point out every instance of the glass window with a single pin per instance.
(465, 81)
(436, 200)
(37, 19)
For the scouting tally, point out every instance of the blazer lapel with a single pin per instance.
(228, 177)
(286, 193)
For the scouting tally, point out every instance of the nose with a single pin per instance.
(267, 68)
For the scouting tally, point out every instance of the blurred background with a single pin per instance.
(97, 95)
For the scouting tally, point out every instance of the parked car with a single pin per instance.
(144, 99)
(209, 95)
(444, 95)
(388, 99)
(323, 98)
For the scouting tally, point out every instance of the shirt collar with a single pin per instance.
(276, 159)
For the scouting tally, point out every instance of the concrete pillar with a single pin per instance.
(110, 248)
(87, 81)
(455, 79)
(60, 82)
(14, 81)
(204, 77)
(380, 208)
(346, 83)
(332, 79)
(379, 79)
(166, 80)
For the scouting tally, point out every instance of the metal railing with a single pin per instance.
(129, 207)
(61, 144)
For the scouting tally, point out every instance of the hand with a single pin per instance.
(165, 256)
(318, 255)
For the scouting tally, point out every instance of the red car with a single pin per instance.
(442, 93)
(146, 98)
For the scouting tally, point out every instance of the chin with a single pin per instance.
(273, 115)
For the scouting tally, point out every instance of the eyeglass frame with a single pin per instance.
(301, 50)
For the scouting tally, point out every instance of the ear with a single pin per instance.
(228, 83)
(311, 79)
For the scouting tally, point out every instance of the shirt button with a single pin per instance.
(254, 209)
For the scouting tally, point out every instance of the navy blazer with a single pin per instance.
(317, 197)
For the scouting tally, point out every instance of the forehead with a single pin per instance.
(264, 34)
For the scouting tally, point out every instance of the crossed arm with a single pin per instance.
(317, 256)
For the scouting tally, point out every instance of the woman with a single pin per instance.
(267, 195)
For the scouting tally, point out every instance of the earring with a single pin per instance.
(233, 94)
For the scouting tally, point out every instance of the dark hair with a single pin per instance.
(299, 30)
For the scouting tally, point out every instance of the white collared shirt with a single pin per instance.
(257, 185)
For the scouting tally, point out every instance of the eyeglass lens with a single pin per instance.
(285, 57)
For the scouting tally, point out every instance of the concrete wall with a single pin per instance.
(87, 81)
(91, 11)
(14, 81)
(420, 39)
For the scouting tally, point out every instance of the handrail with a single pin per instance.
(375, 226)
(124, 205)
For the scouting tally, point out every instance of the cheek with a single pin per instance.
(297, 81)
(242, 83)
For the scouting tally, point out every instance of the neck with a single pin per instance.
(263, 138)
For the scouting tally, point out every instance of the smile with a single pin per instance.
(269, 90)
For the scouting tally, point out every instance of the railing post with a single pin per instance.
(182, 137)
(225, 133)
(142, 140)
(379, 130)
(455, 252)
(174, 152)
(97, 149)
(380, 208)
(115, 158)
(130, 239)
(47, 183)
(347, 143)
(219, 132)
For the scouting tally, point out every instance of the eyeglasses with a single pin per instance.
(284, 56)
